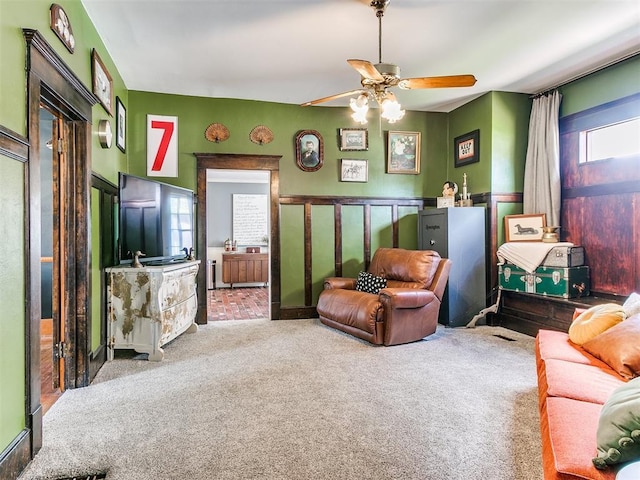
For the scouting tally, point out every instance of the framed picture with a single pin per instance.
(403, 155)
(102, 82)
(466, 148)
(354, 139)
(121, 125)
(352, 170)
(309, 150)
(524, 228)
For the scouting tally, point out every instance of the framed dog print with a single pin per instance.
(524, 228)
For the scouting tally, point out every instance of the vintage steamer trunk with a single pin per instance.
(568, 282)
(564, 257)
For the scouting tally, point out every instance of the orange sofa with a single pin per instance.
(573, 386)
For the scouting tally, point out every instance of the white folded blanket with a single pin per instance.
(527, 255)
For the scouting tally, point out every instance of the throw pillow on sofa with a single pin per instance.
(594, 321)
(618, 432)
(619, 347)
(631, 306)
(370, 283)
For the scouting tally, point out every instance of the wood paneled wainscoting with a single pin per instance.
(392, 209)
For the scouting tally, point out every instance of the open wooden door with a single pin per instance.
(103, 254)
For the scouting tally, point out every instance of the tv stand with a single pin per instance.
(149, 306)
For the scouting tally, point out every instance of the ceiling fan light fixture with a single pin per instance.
(360, 107)
(391, 110)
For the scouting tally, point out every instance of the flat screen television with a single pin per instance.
(155, 218)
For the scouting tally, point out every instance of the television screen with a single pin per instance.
(155, 218)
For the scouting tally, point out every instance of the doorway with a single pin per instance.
(270, 163)
(237, 219)
(51, 244)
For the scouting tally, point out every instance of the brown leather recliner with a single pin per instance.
(405, 311)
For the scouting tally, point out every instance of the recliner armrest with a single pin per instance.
(406, 297)
(340, 282)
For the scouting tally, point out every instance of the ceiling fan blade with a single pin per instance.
(438, 82)
(366, 69)
(331, 97)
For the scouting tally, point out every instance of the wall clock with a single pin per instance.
(105, 135)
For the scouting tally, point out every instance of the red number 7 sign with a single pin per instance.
(162, 146)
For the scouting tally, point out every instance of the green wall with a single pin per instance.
(501, 117)
(600, 87)
(195, 114)
(12, 291)
(14, 16)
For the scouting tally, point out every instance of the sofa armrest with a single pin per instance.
(340, 282)
(406, 297)
(577, 312)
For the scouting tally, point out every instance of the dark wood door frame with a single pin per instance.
(234, 161)
(51, 82)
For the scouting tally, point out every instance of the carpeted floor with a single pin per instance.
(260, 399)
(237, 303)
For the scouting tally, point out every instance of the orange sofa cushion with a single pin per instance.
(579, 382)
(552, 344)
(569, 440)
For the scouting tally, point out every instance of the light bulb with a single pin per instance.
(391, 110)
(360, 107)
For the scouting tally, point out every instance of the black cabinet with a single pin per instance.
(458, 233)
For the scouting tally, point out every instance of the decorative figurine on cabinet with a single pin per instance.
(448, 198)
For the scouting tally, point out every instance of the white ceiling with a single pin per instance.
(292, 51)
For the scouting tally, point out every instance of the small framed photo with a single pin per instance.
(466, 148)
(102, 82)
(403, 154)
(524, 228)
(354, 139)
(309, 150)
(121, 125)
(353, 170)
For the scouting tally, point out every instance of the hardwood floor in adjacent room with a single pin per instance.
(237, 303)
(48, 394)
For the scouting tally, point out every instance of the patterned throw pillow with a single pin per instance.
(367, 282)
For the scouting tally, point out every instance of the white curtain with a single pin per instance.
(542, 167)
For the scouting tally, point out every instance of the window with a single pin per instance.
(610, 141)
(181, 223)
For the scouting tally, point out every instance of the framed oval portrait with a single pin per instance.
(309, 150)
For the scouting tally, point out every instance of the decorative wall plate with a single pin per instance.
(61, 25)
(261, 135)
(216, 132)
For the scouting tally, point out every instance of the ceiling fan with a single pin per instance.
(377, 79)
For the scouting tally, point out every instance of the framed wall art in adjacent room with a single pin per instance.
(121, 125)
(354, 139)
(102, 82)
(466, 148)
